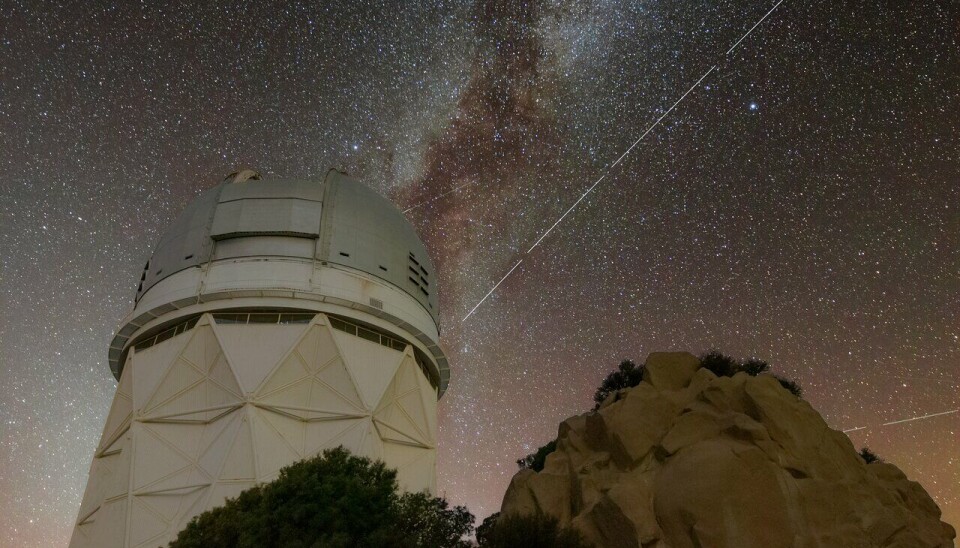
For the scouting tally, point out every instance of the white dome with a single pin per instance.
(337, 222)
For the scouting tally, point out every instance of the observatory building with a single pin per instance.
(275, 319)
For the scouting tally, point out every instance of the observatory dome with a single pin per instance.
(302, 243)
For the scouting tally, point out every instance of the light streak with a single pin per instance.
(472, 310)
(901, 421)
(622, 156)
(762, 19)
(911, 419)
(435, 198)
(617, 162)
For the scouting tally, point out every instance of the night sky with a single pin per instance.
(801, 206)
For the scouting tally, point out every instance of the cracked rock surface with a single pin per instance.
(686, 459)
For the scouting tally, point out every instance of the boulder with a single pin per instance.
(687, 459)
(670, 370)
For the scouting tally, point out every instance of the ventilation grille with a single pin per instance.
(417, 275)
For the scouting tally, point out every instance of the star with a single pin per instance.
(740, 233)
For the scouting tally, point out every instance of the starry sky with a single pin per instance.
(802, 205)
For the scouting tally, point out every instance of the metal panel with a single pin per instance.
(286, 188)
(363, 230)
(185, 244)
(264, 246)
(280, 216)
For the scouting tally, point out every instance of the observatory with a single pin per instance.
(275, 319)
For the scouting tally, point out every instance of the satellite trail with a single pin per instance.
(435, 198)
(901, 421)
(613, 165)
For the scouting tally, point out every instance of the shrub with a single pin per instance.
(530, 531)
(483, 530)
(332, 500)
(790, 385)
(724, 366)
(754, 367)
(626, 375)
(719, 364)
(869, 456)
(536, 460)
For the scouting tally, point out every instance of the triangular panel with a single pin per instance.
(428, 397)
(335, 375)
(401, 416)
(185, 437)
(291, 429)
(317, 347)
(147, 524)
(253, 350)
(217, 439)
(116, 468)
(371, 365)
(273, 450)
(240, 463)
(110, 527)
(221, 374)
(291, 370)
(179, 379)
(151, 365)
(154, 459)
(203, 348)
(322, 435)
(416, 467)
(121, 410)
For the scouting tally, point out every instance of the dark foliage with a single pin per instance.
(627, 375)
(754, 367)
(869, 456)
(792, 386)
(483, 530)
(537, 459)
(724, 366)
(429, 521)
(534, 531)
(333, 500)
(719, 364)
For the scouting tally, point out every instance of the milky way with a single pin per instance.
(802, 205)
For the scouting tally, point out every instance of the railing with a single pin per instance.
(170, 333)
(283, 318)
(368, 334)
(280, 318)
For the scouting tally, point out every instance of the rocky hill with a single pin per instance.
(688, 459)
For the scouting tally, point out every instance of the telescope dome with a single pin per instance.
(251, 237)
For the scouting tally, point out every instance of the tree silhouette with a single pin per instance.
(528, 531)
(869, 456)
(538, 458)
(626, 375)
(332, 500)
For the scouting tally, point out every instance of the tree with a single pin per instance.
(626, 375)
(869, 456)
(536, 460)
(754, 367)
(429, 521)
(719, 364)
(724, 366)
(484, 529)
(528, 531)
(790, 385)
(332, 500)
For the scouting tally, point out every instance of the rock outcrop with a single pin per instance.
(686, 459)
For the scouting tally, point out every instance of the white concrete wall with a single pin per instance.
(202, 416)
